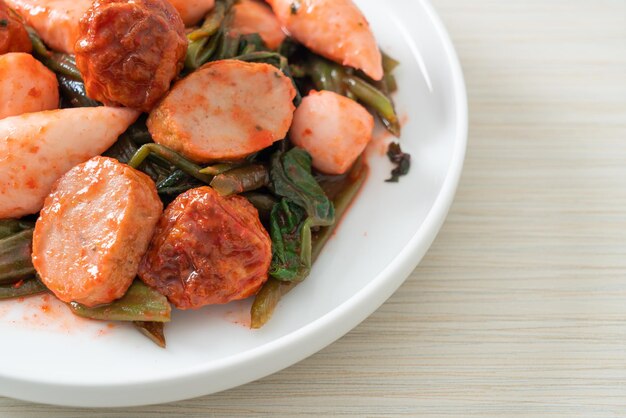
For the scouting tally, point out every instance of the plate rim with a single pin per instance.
(295, 346)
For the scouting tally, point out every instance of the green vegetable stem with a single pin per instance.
(15, 257)
(292, 179)
(140, 303)
(152, 330)
(23, 288)
(239, 180)
(377, 100)
(209, 39)
(59, 63)
(327, 75)
(73, 91)
(171, 157)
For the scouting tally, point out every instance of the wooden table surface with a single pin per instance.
(519, 307)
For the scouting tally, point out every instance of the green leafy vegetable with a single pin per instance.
(273, 290)
(140, 303)
(402, 161)
(290, 230)
(292, 179)
(304, 205)
(27, 287)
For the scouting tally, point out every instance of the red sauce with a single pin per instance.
(34, 92)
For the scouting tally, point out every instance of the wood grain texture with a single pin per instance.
(519, 308)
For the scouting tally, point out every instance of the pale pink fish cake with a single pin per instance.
(251, 16)
(38, 148)
(226, 110)
(56, 21)
(335, 29)
(333, 129)
(94, 229)
(26, 85)
(192, 11)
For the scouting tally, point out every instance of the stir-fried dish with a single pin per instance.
(162, 153)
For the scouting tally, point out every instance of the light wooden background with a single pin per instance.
(519, 308)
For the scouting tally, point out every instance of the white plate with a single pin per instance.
(48, 356)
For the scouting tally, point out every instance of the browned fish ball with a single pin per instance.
(129, 52)
(207, 249)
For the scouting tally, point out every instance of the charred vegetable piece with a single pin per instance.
(402, 161)
(270, 294)
(140, 303)
(239, 180)
(15, 257)
(28, 287)
(292, 179)
(152, 330)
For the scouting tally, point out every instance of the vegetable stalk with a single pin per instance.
(239, 180)
(27, 287)
(57, 62)
(15, 257)
(172, 157)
